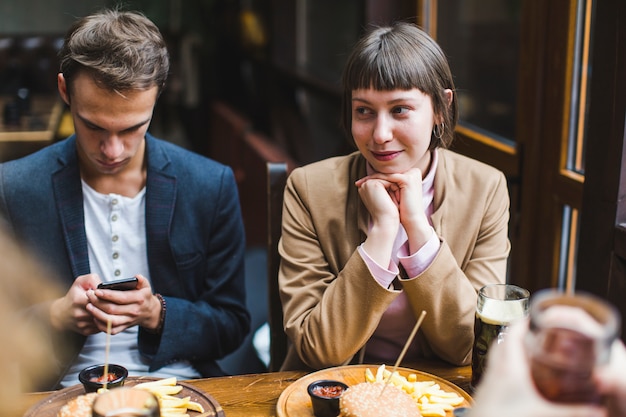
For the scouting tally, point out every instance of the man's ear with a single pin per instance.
(62, 86)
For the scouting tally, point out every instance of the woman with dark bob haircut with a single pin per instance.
(403, 225)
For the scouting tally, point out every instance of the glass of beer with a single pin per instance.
(570, 334)
(498, 306)
(126, 402)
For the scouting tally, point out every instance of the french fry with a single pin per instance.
(446, 394)
(164, 390)
(432, 411)
(438, 399)
(194, 406)
(158, 383)
(170, 405)
(430, 398)
(174, 402)
(173, 411)
(380, 373)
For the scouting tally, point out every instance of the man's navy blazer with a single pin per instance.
(195, 244)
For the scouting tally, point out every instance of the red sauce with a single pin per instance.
(109, 377)
(330, 391)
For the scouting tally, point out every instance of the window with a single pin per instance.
(481, 39)
(521, 74)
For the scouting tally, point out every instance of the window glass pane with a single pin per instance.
(569, 248)
(325, 139)
(482, 41)
(326, 31)
(578, 111)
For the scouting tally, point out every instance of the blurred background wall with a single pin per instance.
(42, 16)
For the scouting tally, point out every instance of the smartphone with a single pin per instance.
(123, 284)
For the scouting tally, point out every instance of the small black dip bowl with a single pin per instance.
(92, 377)
(325, 396)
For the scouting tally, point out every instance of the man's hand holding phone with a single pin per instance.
(70, 312)
(131, 303)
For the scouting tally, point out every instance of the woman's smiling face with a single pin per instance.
(392, 129)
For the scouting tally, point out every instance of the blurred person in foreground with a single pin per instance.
(371, 239)
(112, 201)
(507, 388)
(25, 350)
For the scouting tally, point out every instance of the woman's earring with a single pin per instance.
(438, 130)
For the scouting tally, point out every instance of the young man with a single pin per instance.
(111, 201)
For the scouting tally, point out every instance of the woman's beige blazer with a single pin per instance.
(331, 302)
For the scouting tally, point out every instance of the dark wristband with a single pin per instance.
(159, 328)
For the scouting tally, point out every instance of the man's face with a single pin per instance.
(110, 126)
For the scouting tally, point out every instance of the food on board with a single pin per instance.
(376, 399)
(79, 406)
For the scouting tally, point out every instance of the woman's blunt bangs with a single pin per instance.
(392, 59)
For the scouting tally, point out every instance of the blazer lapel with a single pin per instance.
(69, 200)
(439, 192)
(358, 170)
(160, 203)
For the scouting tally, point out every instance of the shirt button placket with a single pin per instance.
(115, 240)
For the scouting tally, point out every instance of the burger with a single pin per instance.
(365, 400)
(79, 406)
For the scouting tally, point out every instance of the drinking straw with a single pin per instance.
(106, 354)
(404, 349)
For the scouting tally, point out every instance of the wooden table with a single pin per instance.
(257, 394)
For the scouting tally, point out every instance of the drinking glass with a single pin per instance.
(126, 402)
(570, 335)
(498, 306)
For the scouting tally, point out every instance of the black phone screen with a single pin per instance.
(123, 284)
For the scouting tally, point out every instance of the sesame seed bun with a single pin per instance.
(364, 400)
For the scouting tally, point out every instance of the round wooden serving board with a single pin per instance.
(294, 401)
(50, 406)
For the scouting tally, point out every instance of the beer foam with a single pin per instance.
(501, 312)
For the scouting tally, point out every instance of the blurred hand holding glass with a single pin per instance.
(126, 402)
(498, 306)
(570, 335)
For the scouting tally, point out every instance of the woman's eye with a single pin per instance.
(400, 110)
(362, 111)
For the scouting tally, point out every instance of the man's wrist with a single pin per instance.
(159, 327)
